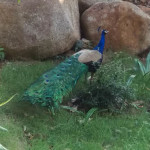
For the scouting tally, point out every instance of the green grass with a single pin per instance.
(64, 131)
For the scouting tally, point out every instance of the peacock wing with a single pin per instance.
(89, 55)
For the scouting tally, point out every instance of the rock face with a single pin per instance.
(38, 28)
(85, 4)
(129, 26)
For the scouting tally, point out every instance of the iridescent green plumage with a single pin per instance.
(53, 85)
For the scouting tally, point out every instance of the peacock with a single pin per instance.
(56, 83)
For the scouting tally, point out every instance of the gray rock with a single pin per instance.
(38, 29)
(128, 26)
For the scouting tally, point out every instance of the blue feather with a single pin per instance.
(101, 44)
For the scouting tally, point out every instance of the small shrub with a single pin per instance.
(141, 83)
(110, 89)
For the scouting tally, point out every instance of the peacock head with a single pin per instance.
(104, 31)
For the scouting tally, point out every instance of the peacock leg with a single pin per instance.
(86, 74)
(92, 75)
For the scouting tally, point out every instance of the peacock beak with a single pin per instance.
(106, 31)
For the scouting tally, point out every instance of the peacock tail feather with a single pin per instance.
(53, 85)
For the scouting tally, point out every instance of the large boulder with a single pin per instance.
(129, 26)
(38, 28)
(85, 4)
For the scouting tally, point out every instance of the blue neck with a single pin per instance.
(101, 44)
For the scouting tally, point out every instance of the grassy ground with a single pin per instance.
(31, 127)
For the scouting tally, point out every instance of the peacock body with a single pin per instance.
(56, 83)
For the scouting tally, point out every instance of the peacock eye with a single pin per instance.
(45, 76)
(46, 81)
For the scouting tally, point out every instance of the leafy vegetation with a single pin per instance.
(1, 146)
(7, 100)
(111, 87)
(141, 83)
(2, 128)
(140, 67)
(116, 85)
(31, 127)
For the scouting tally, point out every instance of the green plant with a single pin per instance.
(140, 67)
(89, 114)
(2, 128)
(121, 132)
(7, 100)
(110, 89)
(1, 146)
(2, 54)
(141, 83)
